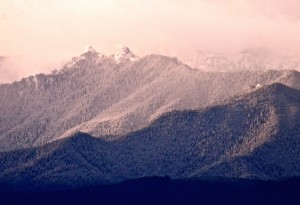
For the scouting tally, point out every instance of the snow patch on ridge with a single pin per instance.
(35, 80)
(124, 53)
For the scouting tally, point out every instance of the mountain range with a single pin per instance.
(251, 136)
(107, 119)
(114, 95)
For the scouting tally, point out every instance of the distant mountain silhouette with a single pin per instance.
(255, 59)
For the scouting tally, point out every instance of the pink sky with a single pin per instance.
(39, 35)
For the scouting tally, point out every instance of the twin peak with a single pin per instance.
(122, 53)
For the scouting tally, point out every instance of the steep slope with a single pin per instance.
(95, 94)
(177, 89)
(275, 152)
(40, 108)
(272, 151)
(254, 135)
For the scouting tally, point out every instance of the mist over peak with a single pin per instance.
(248, 59)
(172, 28)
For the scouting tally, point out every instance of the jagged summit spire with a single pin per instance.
(89, 48)
(124, 53)
(91, 52)
(122, 48)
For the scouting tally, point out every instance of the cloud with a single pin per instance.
(276, 8)
(2, 59)
(45, 33)
(14, 68)
(7, 74)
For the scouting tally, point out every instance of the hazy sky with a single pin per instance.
(38, 35)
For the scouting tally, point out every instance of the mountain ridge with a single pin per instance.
(97, 95)
(240, 138)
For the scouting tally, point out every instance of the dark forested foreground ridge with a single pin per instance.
(155, 190)
(254, 136)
